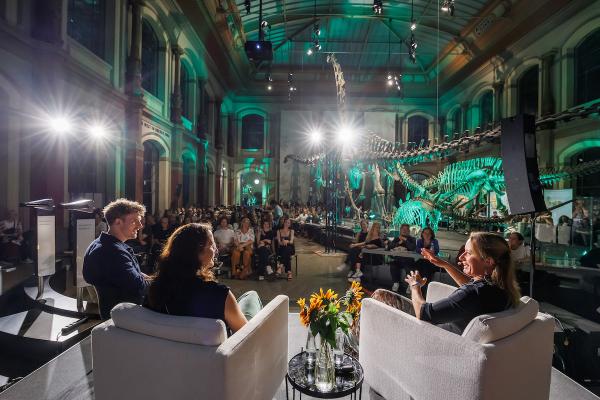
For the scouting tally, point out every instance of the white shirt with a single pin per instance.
(521, 253)
(224, 237)
(244, 237)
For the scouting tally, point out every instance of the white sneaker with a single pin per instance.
(269, 270)
(357, 275)
(395, 286)
(261, 278)
(28, 261)
(350, 274)
(341, 267)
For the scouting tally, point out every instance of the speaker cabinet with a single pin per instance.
(519, 162)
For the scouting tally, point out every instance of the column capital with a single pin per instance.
(498, 86)
(177, 51)
(549, 55)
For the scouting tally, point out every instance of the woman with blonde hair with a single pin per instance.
(487, 283)
(372, 241)
(243, 248)
(185, 285)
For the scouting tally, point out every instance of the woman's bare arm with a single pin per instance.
(233, 313)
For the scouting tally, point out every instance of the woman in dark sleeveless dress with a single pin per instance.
(185, 284)
(285, 240)
(264, 249)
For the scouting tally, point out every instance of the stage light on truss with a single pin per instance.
(413, 25)
(309, 52)
(97, 131)
(315, 136)
(256, 181)
(448, 7)
(60, 125)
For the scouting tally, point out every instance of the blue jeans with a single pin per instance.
(250, 304)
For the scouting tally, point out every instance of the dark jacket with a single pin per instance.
(111, 266)
(409, 244)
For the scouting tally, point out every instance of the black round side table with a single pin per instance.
(302, 379)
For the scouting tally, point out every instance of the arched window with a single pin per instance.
(185, 93)
(528, 91)
(587, 67)
(86, 24)
(486, 109)
(418, 130)
(188, 167)
(253, 132)
(151, 171)
(150, 63)
(456, 122)
(587, 185)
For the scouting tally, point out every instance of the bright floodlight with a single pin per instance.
(60, 125)
(256, 181)
(344, 135)
(97, 131)
(315, 136)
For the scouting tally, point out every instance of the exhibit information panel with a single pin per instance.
(86, 230)
(46, 245)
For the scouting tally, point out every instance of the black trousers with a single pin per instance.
(425, 268)
(353, 256)
(285, 253)
(264, 252)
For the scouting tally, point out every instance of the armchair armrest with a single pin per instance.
(437, 291)
(402, 355)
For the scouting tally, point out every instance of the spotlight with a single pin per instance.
(413, 25)
(448, 7)
(60, 125)
(257, 46)
(269, 87)
(315, 136)
(269, 81)
(256, 181)
(247, 4)
(97, 131)
(344, 135)
(377, 7)
(390, 80)
(309, 52)
(412, 49)
(316, 29)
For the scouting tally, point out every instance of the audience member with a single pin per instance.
(110, 265)
(243, 248)
(429, 242)
(285, 249)
(185, 285)
(398, 264)
(356, 247)
(264, 249)
(518, 251)
(372, 241)
(224, 236)
(13, 246)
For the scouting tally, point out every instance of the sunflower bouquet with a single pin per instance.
(325, 313)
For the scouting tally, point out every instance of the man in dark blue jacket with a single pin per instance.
(110, 265)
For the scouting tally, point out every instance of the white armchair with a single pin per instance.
(140, 354)
(507, 355)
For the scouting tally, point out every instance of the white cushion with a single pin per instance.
(193, 330)
(489, 328)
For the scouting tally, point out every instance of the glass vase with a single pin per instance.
(324, 368)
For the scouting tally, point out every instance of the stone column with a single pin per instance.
(201, 125)
(134, 150)
(134, 59)
(230, 135)
(498, 91)
(176, 97)
(464, 108)
(218, 129)
(442, 129)
(399, 128)
(548, 103)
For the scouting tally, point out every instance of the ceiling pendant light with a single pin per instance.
(412, 48)
(448, 7)
(377, 7)
(413, 22)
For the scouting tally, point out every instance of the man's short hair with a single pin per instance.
(405, 225)
(120, 208)
(519, 236)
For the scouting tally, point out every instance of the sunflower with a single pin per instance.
(302, 303)
(305, 317)
(330, 295)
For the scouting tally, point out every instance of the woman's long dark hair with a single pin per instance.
(179, 265)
